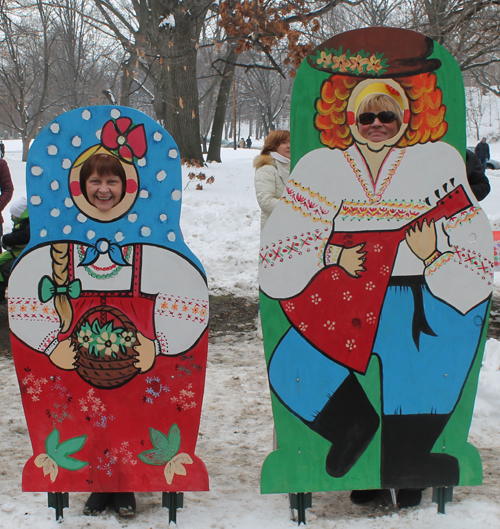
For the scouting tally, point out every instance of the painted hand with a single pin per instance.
(64, 355)
(422, 239)
(147, 355)
(352, 259)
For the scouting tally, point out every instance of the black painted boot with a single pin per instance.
(349, 422)
(407, 461)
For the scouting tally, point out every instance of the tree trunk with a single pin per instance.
(221, 105)
(127, 80)
(26, 148)
(176, 104)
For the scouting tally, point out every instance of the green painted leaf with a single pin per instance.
(70, 446)
(174, 437)
(95, 327)
(155, 456)
(159, 439)
(52, 442)
(108, 328)
(165, 447)
(71, 463)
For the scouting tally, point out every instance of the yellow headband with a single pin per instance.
(379, 88)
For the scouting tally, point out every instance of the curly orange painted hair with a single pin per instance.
(426, 111)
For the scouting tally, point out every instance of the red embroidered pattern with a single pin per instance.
(308, 202)
(371, 195)
(294, 246)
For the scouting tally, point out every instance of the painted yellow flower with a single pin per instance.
(176, 466)
(48, 465)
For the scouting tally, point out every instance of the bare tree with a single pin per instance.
(25, 65)
(161, 39)
(82, 56)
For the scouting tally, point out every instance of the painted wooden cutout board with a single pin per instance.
(119, 293)
(373, 368)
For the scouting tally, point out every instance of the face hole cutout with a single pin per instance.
(91, 206)
(376, 97)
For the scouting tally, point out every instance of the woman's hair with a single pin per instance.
(377, 103)
(274, 140)
(425, 99)
(104, 165)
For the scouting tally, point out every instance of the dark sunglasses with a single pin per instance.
(367, 118)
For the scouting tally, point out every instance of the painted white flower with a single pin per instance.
(107, 343)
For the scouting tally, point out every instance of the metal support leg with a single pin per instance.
(300, 502)
(394, 498)
(58, 500)
(172, 501)
(442, 495)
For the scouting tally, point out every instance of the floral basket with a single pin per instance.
(105, 341)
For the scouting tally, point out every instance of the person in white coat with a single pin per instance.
(272, 170)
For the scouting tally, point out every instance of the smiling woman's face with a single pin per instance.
(379, 118)
(104, 192)
(378, 131)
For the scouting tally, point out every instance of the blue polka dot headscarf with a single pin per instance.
(150, 211)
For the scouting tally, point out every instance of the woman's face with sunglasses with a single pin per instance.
(378, 126)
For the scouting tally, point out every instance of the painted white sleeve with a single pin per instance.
(462, 275)
(181, 303)
(294, 238)
(35, 323)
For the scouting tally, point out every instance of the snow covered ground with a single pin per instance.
(221, 225)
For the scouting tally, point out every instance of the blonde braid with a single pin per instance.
(60, 271)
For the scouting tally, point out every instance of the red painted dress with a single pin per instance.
(106, 426)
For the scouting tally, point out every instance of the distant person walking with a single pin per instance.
(2, 149)
(482, 151)
(242, 143)
(249, 142)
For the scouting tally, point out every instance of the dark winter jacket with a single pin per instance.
(20, 235)
(482, 151)
(478, 181)
(6, 187)
(14, 243)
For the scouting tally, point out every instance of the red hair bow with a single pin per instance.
(120, 135)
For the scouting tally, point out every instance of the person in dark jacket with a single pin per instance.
(482, 151)
(6, 189)
(478, 181)
(14, 242)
